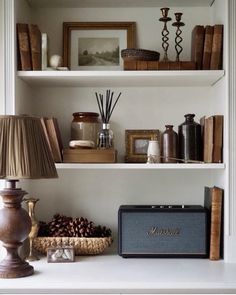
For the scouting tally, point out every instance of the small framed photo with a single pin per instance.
(96, 45)
(60, 254)
(136, 142)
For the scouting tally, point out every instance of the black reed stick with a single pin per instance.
(98, 103)
(109, 109)
(114, 106)
(106, 107)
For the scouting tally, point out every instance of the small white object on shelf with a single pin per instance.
(153, 152)
(81, 144)
(55, 61)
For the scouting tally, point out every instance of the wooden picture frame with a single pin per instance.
(136, 142)
(109, 37)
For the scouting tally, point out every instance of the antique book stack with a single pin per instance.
(143, 65)
(212, 135)
(213, 201)
(29, 42)
(207, 47)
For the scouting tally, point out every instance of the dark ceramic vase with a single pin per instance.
(190, 141)
(169, 145)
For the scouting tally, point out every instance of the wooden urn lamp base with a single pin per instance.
(15, 225)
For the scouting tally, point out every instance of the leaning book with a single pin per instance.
(213, 201)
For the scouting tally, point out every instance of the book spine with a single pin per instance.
(208, 139)
(216, 212)
(53, 139)
(197, 45)
(218, 139)
(207, 47)
(217, 48)
(24, 47)
(43, 122)
(44, 51)
(35, 47)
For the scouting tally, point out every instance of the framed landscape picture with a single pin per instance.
(96, 45)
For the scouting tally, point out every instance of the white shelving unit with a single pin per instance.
(121, 78)
(136, 166)
(120, 3)
(109, 274)
(150, 99)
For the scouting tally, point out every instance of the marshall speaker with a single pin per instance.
(163, 231)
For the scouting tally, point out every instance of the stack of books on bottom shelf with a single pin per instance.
(89, 155)
(213, 201)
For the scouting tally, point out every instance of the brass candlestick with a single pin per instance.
(165, 32)
(31, 203)
(178, 38)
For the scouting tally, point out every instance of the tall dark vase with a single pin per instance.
(169, 145)
(190, 141)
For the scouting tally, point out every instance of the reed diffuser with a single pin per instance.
(106, 107)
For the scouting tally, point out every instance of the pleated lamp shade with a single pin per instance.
(24, 151)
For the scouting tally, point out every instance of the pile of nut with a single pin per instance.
(64, 226)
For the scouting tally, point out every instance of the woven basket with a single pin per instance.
(139, 54)
(82, 246)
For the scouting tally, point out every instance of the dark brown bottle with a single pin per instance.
(190, 142)
(169, 145)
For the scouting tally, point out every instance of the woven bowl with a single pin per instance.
(82, 246)
(139, 54)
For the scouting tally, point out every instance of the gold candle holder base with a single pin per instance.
(31, 202)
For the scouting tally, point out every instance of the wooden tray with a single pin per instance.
(89, 156)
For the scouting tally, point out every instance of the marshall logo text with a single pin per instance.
(156, 231)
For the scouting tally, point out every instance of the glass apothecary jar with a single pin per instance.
(85, 126)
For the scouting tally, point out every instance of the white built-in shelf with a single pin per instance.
(120, 78)
(120, 3)
(137, 166)
(111, 274)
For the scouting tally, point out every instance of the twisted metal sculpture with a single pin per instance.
(165, 32)
(178, 38)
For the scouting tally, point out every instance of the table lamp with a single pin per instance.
(24, 154)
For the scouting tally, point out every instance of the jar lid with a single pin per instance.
(85, 114)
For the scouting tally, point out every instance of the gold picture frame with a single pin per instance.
(136, 143)
(96, 45)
